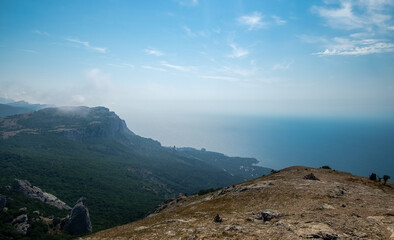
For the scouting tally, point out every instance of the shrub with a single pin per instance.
(325, 167)
(385, 178)
(372, 177)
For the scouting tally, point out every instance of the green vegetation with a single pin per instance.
(90, 152)
(37, 230)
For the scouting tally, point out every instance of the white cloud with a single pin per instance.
(362, 14)
(178, 67)
(87, 45)
(367, 21)
(237, 51)
(278, 20)
(345, 46)
(188, 3)
(40, 32)
(189, 32)
(98, 80)
(154, 68)
(122, 65)
(282, 66)
(152, 51)
(29, 51)
(253, 21)
(231, 79)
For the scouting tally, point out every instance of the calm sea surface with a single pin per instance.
(352, 145)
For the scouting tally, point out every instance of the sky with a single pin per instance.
(170, 58)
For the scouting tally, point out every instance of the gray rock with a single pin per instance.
(79, 221)
(268, 215)
(311, 176)
(36, 193)
(3, 202)
(21, 224)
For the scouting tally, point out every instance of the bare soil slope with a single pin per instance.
(337, 206)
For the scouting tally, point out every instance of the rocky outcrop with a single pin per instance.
(79, 221)
(21, 224)
(311, 176)
(36, 193)
(3, 202)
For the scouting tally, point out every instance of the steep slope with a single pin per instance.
(80, 151)
(283, 205)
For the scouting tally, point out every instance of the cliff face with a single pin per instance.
(75, 123)
(286, 205)
(36, 193)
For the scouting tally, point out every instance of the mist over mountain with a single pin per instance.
(80, 151)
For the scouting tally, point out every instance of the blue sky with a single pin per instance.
(320, 58)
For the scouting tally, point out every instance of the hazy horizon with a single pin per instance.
(176, 68)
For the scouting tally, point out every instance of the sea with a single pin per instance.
(360, 146)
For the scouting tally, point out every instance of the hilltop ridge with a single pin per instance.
(283, 205)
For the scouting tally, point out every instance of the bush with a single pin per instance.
(325, 167)
(372, 177)
(385, 178)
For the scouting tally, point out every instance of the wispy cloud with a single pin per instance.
(188, 3)
(237, 51)
(225, 78)
(189, 32)
(367, 22)
(283, 66)
(253, 21)
(153, 51)
(154, 68)
(278, 20)
(28, 51)
(178, 67)
(351, 14)
(87, 45)
(346, 46)
(40, 32)
(122, 65)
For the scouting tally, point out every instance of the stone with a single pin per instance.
(217, 218)
(79, 221)
(21, 224)
(311, 176)
(36, 193)
(268, 215)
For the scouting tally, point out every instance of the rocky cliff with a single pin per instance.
(36, 193)
(295, 203)
(79, 221)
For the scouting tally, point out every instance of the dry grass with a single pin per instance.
(348, 206)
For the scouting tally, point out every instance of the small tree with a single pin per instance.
(372, 177)
(385, 178)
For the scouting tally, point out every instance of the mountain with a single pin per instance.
(9, 107)
(7, 110)
(294, 203)
(79, 151)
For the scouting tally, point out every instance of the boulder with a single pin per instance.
(21, 224)
(217, 218)
(79, 221)
(311, 176)
(3, 202)
(268, 215)
(36, 193)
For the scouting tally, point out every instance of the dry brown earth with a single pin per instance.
(339, 206)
